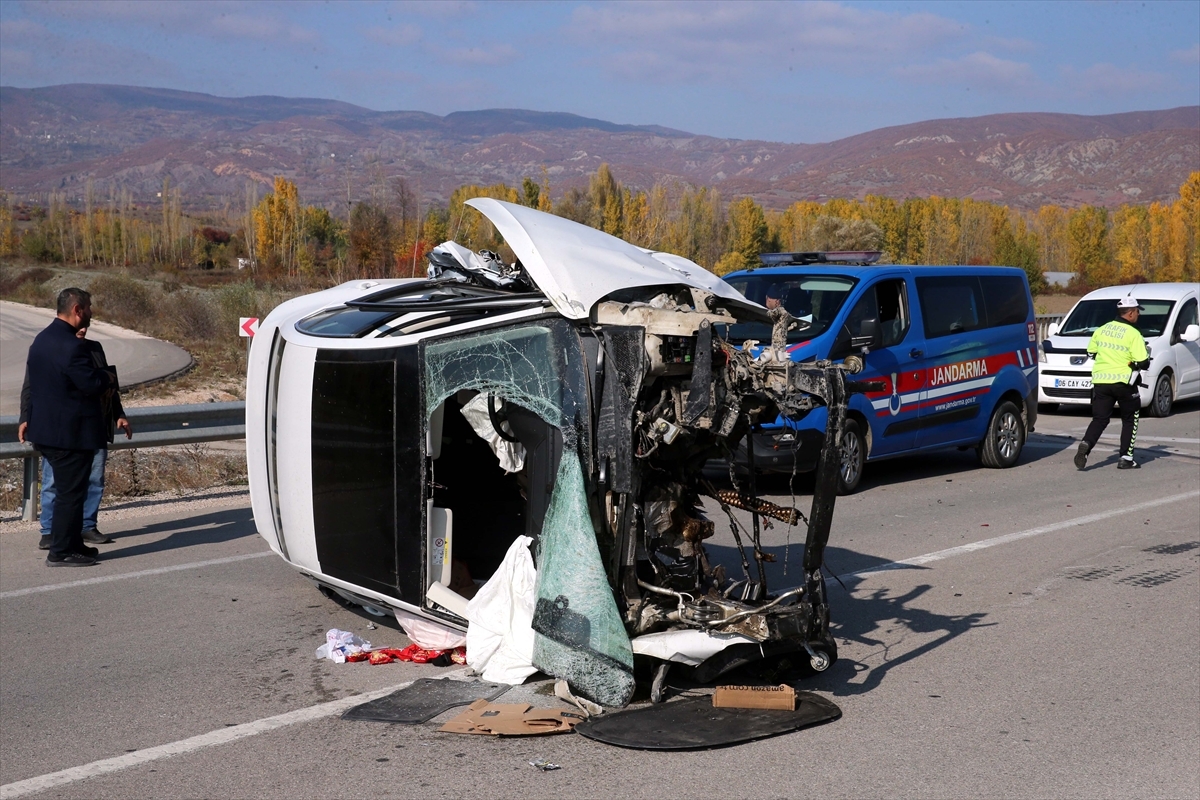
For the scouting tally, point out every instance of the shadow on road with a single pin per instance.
(891, 472)
(212, 528)
(877, 619)
(886, 623)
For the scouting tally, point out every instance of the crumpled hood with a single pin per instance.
(576, 266)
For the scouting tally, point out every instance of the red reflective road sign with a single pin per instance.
(247, 326)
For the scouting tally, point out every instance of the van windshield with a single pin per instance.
(1089, 315)
(815, 299)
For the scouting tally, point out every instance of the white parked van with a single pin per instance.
(1171, 329)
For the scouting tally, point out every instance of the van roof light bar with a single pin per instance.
(848, 257)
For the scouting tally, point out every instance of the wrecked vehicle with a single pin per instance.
(403, 434)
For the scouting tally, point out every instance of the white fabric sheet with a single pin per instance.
(500, 619)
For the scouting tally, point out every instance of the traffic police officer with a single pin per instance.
(1120, 354)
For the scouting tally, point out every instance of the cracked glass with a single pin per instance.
(579, 635)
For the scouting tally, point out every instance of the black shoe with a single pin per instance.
(1081, 455)
(71, 560)
(1128, 463)
(96, 537)
(90, 552)
(44, 542)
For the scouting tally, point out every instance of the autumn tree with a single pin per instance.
(1088, 248)
(370, 241)
(278, 222)
(747, 236)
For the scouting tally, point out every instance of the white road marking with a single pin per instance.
(139, 574)
(1013, 537)
(204, 740)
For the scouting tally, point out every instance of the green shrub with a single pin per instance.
(123, 301)
(191, 316)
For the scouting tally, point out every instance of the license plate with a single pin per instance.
(1072, 383)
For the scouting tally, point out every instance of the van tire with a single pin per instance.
(1163, 396)
(1005, 437)
(854, 457)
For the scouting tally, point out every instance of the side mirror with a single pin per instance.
(1191, 333)
(868, 335)
(1053, 328)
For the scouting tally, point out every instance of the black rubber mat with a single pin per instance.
(424, 699)
(693, 724)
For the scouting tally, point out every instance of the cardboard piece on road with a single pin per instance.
(512, 719)
(782, 697)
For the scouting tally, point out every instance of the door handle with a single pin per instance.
(915, 353)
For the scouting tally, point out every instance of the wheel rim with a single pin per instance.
(1008, 436)
(1162, 397)
(851, 458)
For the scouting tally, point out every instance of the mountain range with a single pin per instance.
(58, 138)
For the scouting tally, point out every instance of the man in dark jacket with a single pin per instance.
(66, 420)
(114, 415)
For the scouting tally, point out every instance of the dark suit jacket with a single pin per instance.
(65, 391)
(111, 408)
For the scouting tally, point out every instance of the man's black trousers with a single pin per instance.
(1104, 397)
(71, 471)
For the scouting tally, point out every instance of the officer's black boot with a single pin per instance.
(1081, 455)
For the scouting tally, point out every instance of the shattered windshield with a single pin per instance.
(525, 366)
(815, 299)
(1090, 315)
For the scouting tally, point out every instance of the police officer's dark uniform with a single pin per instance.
(1120, 353)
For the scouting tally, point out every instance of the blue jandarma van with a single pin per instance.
(954, 346)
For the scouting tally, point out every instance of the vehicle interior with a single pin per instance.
(489, 507)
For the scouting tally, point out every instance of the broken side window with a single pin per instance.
(539, 368)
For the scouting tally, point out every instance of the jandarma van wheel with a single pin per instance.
(854, 457)
(1001, 445)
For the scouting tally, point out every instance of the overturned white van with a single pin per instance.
(402, 434)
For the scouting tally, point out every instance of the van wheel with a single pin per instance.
(1163, 397)
(854, 457)
(1001, 446)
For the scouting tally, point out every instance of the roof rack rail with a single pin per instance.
(847, 257)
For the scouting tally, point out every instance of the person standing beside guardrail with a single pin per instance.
(66, 422)
(114, 415)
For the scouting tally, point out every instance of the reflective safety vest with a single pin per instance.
(1115, 345)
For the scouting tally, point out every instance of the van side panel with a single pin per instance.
(977, 349)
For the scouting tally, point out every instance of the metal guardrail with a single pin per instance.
(155, 426)
(1043, 326)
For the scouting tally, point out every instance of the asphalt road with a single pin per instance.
(138, 358)
(1021, 633)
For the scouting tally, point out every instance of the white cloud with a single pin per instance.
(1189, 56)
(220, 19)
(1015, 45)
(399, 36)
(31, 54)
(1110, 79)
(687, 41)
(435, 9)
(978, 71)
(487, 55)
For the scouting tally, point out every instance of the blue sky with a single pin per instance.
(793, 72)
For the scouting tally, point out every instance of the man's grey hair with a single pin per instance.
(69, 298)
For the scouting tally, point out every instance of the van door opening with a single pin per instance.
(480, 508)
